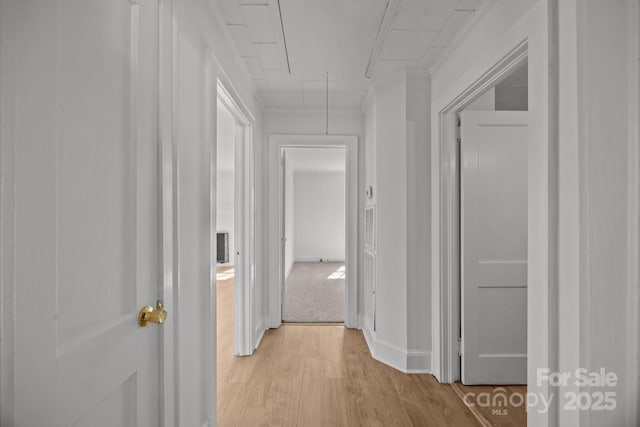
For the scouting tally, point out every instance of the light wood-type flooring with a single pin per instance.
(308, 376)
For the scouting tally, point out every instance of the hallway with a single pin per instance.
(113, 191)
(322, 376)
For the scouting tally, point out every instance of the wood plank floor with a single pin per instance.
(322, 376)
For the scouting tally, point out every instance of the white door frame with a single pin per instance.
(449, 258)
(276, 275)
(244, 221)
(167, 33)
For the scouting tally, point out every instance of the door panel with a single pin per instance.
(494, 247)
(86, 186)
(94, 143)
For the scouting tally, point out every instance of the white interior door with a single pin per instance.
(84, 141)
(494, 246)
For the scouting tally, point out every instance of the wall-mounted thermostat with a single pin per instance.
(369, 192)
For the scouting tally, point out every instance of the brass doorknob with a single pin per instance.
(150, 315)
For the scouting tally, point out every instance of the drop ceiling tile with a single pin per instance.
(418, 15)
(277, 74)
(456, 20)
(255, 68)
(258, 20)
(284, 84)
(360, 84)
(468, 4)
(316, 76)
(231, 12)
(315, 93)
(242, 39)
(310, 85)
(271, 55)
(253, 2)
(318, 98)
(405, 45)
(349, 99)
(282, 98)
(415, 22)
(433, 8)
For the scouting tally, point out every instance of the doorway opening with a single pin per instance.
(314, 243)
(492, 147)
(235, 225)
(278, 144)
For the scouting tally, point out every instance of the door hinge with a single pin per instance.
(459, 346)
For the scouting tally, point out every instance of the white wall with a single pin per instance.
(203, 57)
(225, 183)
(319, 212)
(391, 178)
(369, 145)
(418, 220)
(397, 125)
(598, 228)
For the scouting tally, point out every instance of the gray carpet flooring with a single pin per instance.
(314, 293)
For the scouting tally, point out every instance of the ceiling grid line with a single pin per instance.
(358, 42)
(284, 38)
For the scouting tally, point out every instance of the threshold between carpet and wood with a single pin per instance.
(323, 375)
(314, 293)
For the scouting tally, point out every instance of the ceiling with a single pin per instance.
(316, 159)
(292, 47)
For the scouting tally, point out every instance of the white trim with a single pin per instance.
(7, 214)
(418, 362)
(244, 221)
(536, 23)
(633, 308)
(258, 333)
(449, 250)
(167, 49)
(209, 326)
(384, 30)
(276, 279)
(573, 190)
(407, 361)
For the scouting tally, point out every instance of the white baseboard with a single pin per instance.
(258, 333)
(407, 361)
(418, 362)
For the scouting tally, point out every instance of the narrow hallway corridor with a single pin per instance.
(321, 376)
